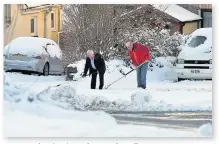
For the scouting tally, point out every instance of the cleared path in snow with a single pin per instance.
(179, 120)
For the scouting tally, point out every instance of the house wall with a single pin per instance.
(188, 28)
(176, 28)
(53, 33)
(21, 24)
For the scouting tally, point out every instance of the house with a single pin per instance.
(182, 20)
(178, 17)
(43, 20)
(204, 10)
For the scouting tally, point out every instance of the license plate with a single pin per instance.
(195, 71)
(18, 55)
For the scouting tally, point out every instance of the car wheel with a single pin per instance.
(46, 69)
(180, 79)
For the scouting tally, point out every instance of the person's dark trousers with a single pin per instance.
(93, 81)
(101, 76)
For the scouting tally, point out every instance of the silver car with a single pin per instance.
(33, 54)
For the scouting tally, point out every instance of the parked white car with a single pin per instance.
(33, 54)
(195, 59)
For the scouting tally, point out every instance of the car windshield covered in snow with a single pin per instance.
(196, 41)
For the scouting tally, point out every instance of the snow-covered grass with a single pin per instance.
(54, 111)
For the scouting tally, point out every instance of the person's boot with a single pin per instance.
(144, 87)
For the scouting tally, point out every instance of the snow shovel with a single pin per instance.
(124, 75)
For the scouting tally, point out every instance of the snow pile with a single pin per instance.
(206, 130)
(11, 90)
(69, 97)
(18, 87)
(162, 69)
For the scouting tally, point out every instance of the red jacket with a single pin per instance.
(139, 54)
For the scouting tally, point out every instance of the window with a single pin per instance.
(7, 13)
(33, 25)
(53, 20)
(196, 41)
(206, 15)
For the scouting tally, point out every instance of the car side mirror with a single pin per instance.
(48, 44)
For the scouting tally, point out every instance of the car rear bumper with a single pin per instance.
(33, 65)
(187, 73)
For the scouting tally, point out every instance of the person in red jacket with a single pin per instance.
(140, 57)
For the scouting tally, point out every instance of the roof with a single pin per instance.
(37, 6)
(33, 5)
(177, 12)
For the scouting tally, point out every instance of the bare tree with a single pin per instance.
(105, 28)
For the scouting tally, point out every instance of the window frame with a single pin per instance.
(34, 18)
(202, 15)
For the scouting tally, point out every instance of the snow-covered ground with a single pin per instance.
(53, 111)
(43, 120)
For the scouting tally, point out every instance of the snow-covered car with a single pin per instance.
(33, 54)
(195, 59)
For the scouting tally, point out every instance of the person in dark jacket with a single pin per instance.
(95, 64)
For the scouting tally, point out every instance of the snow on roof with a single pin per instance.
(33, 5)
(177, 12)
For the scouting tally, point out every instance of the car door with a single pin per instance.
(48, 49)
(58, 60)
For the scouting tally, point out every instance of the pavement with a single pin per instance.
(176, 120)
